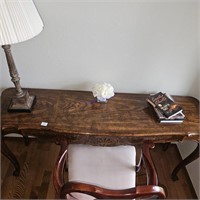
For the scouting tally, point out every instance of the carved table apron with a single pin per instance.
(76, 116)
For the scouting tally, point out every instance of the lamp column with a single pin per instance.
(22, 101)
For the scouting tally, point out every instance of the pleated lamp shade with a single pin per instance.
(19, 21)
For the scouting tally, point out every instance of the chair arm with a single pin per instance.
(103, 193)
(152, 178)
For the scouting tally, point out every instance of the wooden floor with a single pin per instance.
(37, 161)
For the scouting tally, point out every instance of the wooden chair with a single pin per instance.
(96, 172)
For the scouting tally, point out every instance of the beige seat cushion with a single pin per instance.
(110, 167)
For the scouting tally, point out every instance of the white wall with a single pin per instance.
(186, 147)
(136, 45)
(193, 168)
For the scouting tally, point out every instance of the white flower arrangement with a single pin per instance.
(103, 91)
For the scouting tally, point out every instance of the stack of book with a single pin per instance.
(166, 109)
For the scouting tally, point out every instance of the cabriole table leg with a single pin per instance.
(193, 156)
(8, 154)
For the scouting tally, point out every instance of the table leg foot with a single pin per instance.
(26, 140)
(8, 154)
(16, 172)
(193, 156)
(174, 177)
(165, 146)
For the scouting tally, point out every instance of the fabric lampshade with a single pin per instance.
(19, 21)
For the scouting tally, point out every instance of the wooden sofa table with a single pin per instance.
(76, 116)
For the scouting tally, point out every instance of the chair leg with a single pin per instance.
(58, 176)
(140, 164)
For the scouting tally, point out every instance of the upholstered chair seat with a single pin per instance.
(96, 172)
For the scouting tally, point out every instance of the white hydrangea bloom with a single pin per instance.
(103, 91)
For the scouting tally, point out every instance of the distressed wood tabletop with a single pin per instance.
(77, 116)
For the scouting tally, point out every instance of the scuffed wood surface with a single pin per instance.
(75, 114)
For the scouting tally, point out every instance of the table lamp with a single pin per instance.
(19, 21)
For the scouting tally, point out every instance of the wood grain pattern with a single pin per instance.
(73, 114)
(38, 159)
(125, 119)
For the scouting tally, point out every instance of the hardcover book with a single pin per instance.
(178, 118)
(164, 104)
